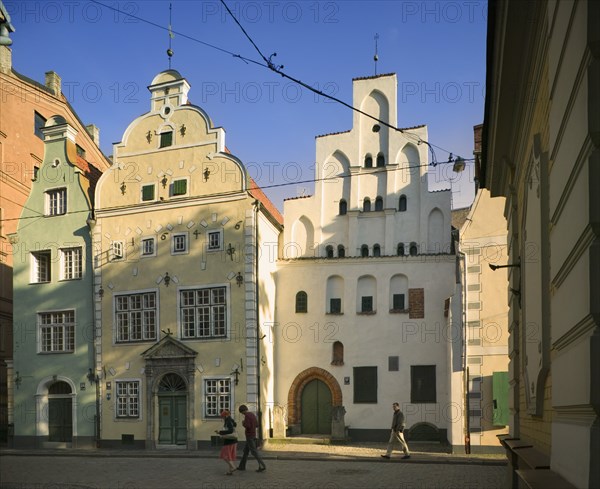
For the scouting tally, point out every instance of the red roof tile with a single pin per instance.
(258, 194)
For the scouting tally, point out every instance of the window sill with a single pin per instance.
(399, 311)
(366, 313)
(334, 313)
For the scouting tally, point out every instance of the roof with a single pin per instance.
(299, 197)
(459, 216)
(401, 129)
(372, 77)
(258, 194)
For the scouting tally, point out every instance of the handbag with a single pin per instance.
(230, 436)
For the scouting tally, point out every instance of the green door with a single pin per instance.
(60, 419)
(316, 408)
(172, 420)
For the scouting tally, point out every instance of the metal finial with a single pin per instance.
(376, 57)
(171, 36)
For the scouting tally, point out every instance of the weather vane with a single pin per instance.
(376, 57)
(171, 36)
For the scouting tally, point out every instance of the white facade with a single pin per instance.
(369, 259)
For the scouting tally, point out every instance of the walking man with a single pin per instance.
(250, 423)
(397, 434)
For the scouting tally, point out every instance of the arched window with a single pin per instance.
(380, 159)
(337, 357)
(402, 203)
(367, 205)
(364, 251)
(400, 249)
(378, 204)
(329, 251)
(341, 251)
(301, 302)
(368, 161)
(413, 249)
(376, 250)
(343, 207)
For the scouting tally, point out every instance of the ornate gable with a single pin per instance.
(169, 348)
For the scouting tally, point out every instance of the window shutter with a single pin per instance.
(365, 384)
(147, 192)
(179, 187)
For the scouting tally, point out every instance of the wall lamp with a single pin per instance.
(92, 378)
(496, 267)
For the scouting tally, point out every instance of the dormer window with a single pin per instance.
(343, 207)
(380, 160)
(368, 161)
(166, 139)
(367, 205)
(379, 204)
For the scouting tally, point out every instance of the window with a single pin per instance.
(393, 364)
(402, 203)
(400, 249)
(341, 251)
(148, 247)
(365, 385)
(422, 384)
(366, 304)
(335, 306)
(413, 249)
(179, 243)
(128, 398)
(301, 301)
(38, 123)
(179, 187)
(203, 312)
(380, 160)
(379, 204)
(329, 251)
(57, 331)
(136, 317)
(166, 139)
(376, 250)
(147, 192)
(367, 205)
(343, 207)
(117, 250)
(214, 240)
(71, 263)
(368, 161)
(40, 266)
(364, 251)
(56, 202)
(217, 396)
(337, 353)
(398, 302)
(80, 151)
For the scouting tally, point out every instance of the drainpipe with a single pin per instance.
(258, 339)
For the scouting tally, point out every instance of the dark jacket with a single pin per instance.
(250, 423)
(229, 426)
(398, 421)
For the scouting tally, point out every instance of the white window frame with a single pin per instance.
(76, 266)
(126, 316)
(35, 266)
(209, 407)
(184, 309)
(58, 208)
(138, 396)
(208, 240)
(174, 238)
(117, 250)
(64, 330)
(143, 253)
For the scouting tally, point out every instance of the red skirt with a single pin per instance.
(229, 452)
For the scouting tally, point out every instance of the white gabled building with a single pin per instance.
(365, 268)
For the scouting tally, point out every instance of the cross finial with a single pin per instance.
(376, 57)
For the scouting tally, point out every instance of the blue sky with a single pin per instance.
(106, 60)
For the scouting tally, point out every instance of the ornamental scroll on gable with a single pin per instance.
(169, 348)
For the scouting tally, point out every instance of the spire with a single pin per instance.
(171, 36)
(376, 57)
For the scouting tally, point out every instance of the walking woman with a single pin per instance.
(228, 452)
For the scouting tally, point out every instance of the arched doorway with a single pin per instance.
(316, 408)
(172, 410)
(60, 412)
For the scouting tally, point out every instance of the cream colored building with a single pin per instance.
(541, 152)
(182, 279)
(366, 267)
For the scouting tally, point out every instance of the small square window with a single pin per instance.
(367, 303)
(166, 139)
(422, 384)
(40, 269)
(117, 250)
(393, 364)
(38, 123)
(214, 240)
(179, 187)
(147, 193)
(56, 202)
(398, 302)
(148, 247)
(179, 243)
(335, 306)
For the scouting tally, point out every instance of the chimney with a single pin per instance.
(53, 82)
(5, 59)
(94, 132)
